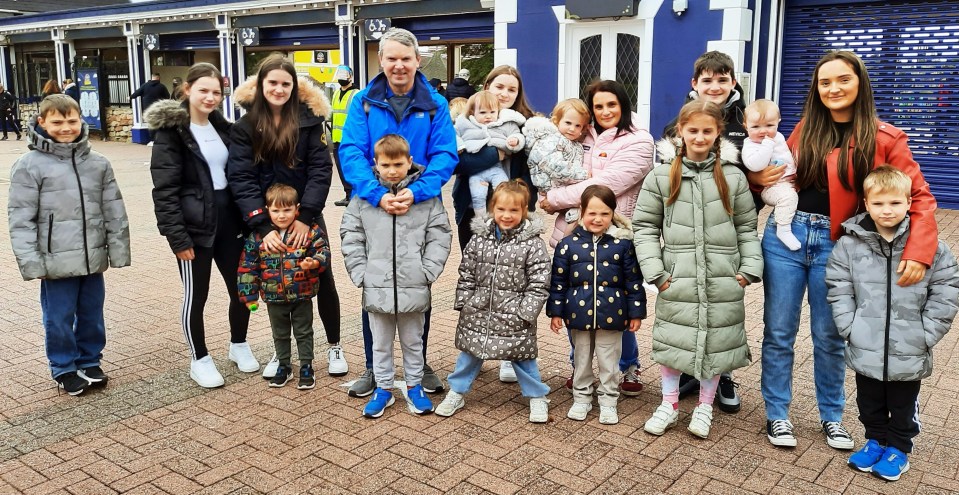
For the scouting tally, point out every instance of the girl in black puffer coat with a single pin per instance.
(196, 212)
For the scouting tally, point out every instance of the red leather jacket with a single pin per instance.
(892, 147)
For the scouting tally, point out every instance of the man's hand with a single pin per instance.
(555, 324)
(299, 235)
(767, 176)
(912, 272)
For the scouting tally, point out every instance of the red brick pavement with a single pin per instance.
(152, 430)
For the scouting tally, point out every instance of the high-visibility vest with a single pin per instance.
(341, 106)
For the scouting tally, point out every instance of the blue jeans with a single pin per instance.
(368, 337)
(787, 276)
(629, 357)
(73, 320)
(494, 176)
(468, 368)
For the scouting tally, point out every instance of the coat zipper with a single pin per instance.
(50, 234)
(885, 347)
(83, 210)
(489, 314)
(396, 295)
(595, 286)
(285, 290)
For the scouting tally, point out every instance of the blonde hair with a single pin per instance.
(690, 110)
(391, 146)
(483, 99)
(887, 179)
(763, 109)
(458, 106)
(574, 104)
(281, 195)
(515, 189)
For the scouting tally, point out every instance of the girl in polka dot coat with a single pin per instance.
(503, 285)
(596, 291)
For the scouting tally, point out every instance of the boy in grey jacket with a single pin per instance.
(67, 226)
(395, 259)
(889, 330)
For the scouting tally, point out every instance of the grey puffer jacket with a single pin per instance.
(700, 317)
(471, 136)
(504, 282)
(67, 217)
(889, 330)
(395, 258)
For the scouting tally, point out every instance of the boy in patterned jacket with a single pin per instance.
(889, 330)
(287, 282)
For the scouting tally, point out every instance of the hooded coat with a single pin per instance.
(151, 92)
(554, 160)
(310, 175)
(889, 330)
(596, 283)
(700, 317)
(471, 136)
(183, 194)
(395, 258)
(65, 210)
(504, 282)
(459, 88)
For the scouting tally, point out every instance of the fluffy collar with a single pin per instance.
(667, 147)
(309, 94)
(166, 114)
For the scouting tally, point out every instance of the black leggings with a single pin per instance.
(327, 299)
(195, 274)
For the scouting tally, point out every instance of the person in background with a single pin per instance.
(438, 86)
(8, 113)
(51, 88)
(342, 98)
(460, 86)
(151, 92)
(71, 89)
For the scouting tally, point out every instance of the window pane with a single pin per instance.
(627, 65)
(590, 50)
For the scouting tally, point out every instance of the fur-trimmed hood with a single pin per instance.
(531, 227)
(167, 114)
(667, 147)
(310, 95)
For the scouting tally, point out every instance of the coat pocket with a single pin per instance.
(50, 234)
(193, 207)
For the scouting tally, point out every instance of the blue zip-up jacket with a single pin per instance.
(432, 139)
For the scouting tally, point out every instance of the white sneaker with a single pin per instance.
(663, 418)
(608, 415)
(337, 362)
(203, 371)
(269, 371)
(452, 403)
(579, 411)
(538, 410)
(506, 372)
(701, 420)
(243, 357)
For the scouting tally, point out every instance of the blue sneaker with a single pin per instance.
(380, 401)
(419, 403)
(892, 465)
(866, 457)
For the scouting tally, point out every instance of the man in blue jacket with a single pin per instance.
(400, 101)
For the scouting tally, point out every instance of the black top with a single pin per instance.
(813, 200)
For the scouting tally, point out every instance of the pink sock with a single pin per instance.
(671, 385)
(707, 390)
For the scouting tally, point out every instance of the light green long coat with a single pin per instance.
(700, 317)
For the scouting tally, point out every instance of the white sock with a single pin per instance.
(785, 234)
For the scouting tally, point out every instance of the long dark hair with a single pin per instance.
(276, 142)
(520, 105)
(619, 91)
(203, 69)
(819, 133)
(689, 110)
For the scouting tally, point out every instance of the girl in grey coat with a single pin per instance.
(701, 206)
(504, 282)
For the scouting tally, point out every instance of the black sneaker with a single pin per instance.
(94, 375)
(687, 385)
(727, 399)
(836, 435)
(342, 202)
(780, 433)
(307, 379)
(284, 373)
(72, 383)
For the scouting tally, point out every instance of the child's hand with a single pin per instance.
(513, 141)
(742, 280)
(662, 288)
(555, 324)
(309, 264)
(634, 324)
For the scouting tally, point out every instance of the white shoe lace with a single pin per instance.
(782, 427)
(835, 429)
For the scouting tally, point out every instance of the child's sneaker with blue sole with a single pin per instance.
(380, 401)
(418, 402)
(867, 457)
(894, 464)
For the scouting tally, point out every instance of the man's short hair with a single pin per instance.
(887, 179)
(280, 194)
(155, 74)
(391, 146)
(716, 62)
(58, 103)
(400, 36)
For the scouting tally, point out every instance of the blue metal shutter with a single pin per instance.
(911, 49)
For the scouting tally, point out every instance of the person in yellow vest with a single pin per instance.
(341, 104)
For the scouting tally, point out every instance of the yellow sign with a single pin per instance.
(318, 64)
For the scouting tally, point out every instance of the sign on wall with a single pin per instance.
(89, 83)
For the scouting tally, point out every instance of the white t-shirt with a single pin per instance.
(213, 150)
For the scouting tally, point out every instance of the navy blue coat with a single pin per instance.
(596, 285)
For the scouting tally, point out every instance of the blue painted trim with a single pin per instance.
(449, 27)
(315, 34)
(762, 66)
(535, 36)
